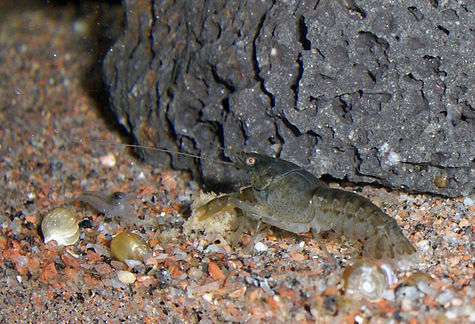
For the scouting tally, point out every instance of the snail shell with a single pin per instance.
(61, 225)
(365, 280)
(128, 246)
(441, 180)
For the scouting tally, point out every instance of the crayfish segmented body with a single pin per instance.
(286, 196)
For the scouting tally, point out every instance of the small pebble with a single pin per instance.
(208, 297)
(126, 277)
(457, 302)
(180, 255)
(133, 263)
(260, 247)
(451, 315)
(162, 256)
(468, 202)
(445, 297)
(423, 245)
(212, 248)
(108, 160)
(252, 281)
(464, 222)
(265, 286)
(297, 248)
(406, 305)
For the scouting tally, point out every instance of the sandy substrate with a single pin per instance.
(51, 123)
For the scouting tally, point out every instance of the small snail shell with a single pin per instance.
(61, 225)
(128, 246)
(441, 180)
(365, 280)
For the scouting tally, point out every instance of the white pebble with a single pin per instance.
(471, 318)
(208, 297)
(260, 247)
(212, 248)
(445, 297)
(423, 245)
(468, 202)
(265, 286)
(126, 277)
(393, 158)
(133, 263)
(162, 256)
(406, 305)
(457, 302)
(108, 160)
(451, 315)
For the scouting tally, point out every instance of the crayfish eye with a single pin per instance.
(118, 195)
(250, 161)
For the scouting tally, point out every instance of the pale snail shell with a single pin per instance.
(60, 225)
(128, 246)
(441, 180)
(365, 280)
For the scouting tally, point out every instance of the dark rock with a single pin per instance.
(367, 91)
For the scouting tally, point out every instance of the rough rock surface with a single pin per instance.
(369, 91)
